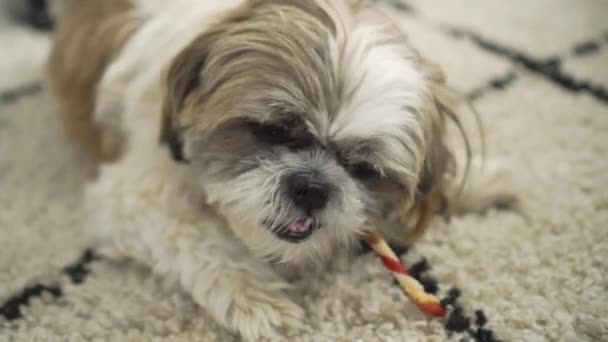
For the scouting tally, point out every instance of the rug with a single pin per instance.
(537, 71)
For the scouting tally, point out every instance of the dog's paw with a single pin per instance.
(253, 307)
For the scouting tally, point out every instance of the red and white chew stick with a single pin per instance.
(410, 286)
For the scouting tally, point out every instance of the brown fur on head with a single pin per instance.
(280, 92)
(88, 36)
(291, 69)
(201, 74)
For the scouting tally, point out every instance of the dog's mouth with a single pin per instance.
(298, 230)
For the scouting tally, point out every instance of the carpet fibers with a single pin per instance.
(538, 74)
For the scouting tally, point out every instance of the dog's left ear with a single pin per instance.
(438, 108)
(430, 192)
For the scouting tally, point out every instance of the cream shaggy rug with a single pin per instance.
(537, 71)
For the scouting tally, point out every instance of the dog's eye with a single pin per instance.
(271, 134)
(363, 171)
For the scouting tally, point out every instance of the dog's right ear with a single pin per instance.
(182, 82)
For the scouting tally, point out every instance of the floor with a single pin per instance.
(538, 74)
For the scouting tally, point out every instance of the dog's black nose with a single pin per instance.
(308, 191)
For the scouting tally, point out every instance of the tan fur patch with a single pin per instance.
(89, 35)
(253, 34)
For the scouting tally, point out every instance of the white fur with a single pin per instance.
(386, 91)
(151, 209)
(144, 206)
(384, 100)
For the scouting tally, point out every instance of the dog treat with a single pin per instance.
(410, 286)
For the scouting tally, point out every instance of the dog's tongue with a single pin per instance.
(301, 225)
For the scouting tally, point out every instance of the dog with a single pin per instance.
(238, 138)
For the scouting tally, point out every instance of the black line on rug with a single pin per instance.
(549, 68)
(498, 83)
(77, 272)
(586, 48)
(457, 321)
(11, 309)
(398, 5)
(590, 47)
(33, 13)
(14, 94)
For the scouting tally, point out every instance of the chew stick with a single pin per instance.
(410, 286)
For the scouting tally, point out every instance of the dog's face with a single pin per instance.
(309, 121)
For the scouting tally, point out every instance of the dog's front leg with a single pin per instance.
(145, 214)
(241, 294)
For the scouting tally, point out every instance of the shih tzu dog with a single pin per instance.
(239, 135)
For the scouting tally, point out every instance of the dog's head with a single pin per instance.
(309, 121)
